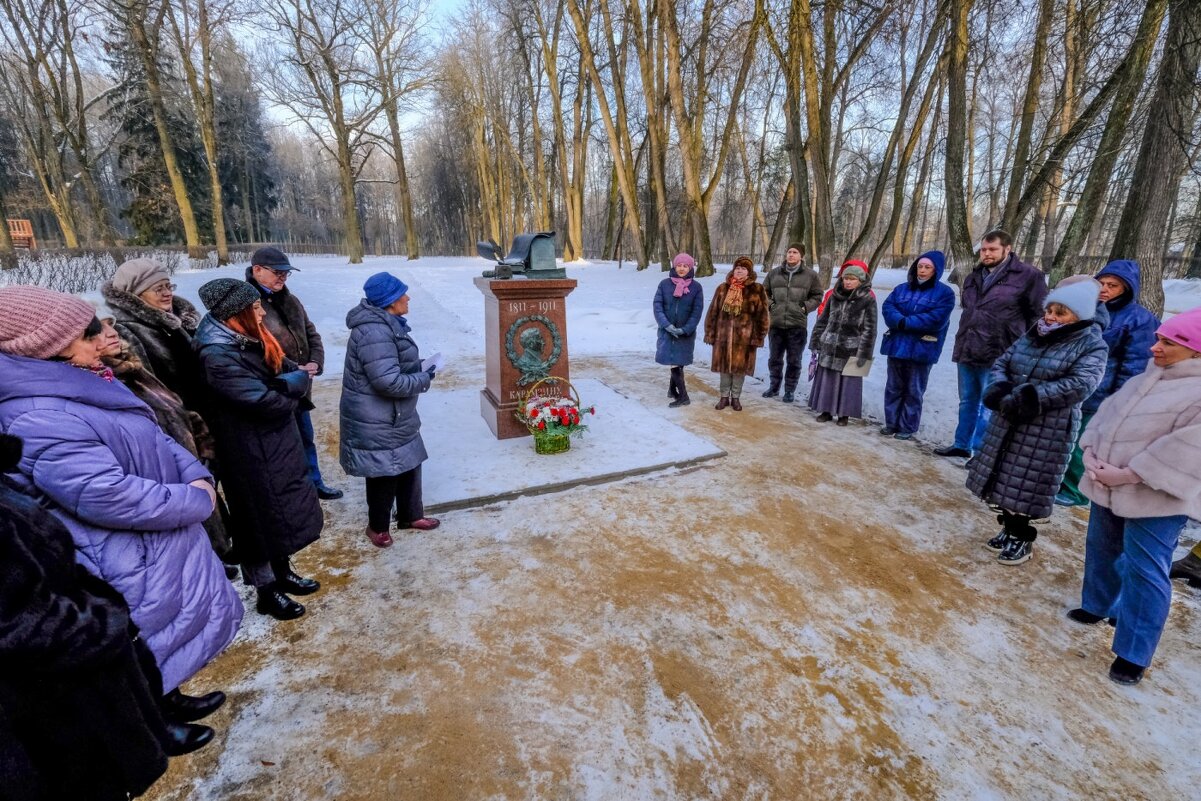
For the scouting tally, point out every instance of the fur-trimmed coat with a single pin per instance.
(162, 341)
(1153, 426)
(735, 338)
(846, 328)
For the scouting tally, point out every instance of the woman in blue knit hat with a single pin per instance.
(381, 432)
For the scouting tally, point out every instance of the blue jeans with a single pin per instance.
(305, 424)
(903, 394)
(973, 417)
(1126, 564)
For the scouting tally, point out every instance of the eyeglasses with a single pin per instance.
(280, 274)
(163, 289)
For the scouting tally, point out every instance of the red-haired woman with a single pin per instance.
(255, 391)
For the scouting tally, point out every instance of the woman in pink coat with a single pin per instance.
(1142, 456)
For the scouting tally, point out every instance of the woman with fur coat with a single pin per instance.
(845, 332)
(736, 325)
(1142, 455)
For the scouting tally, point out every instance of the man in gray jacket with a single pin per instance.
(793, 290)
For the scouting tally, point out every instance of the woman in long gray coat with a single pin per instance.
(1036, 390)
(381, 432)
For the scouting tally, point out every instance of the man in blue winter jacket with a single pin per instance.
(1129, 335)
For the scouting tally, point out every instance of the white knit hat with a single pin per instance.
(1078, 293)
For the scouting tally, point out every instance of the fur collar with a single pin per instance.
(127, 306)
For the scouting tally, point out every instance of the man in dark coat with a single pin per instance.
(290, 324)
(793, 291)
(1001, 299)
(78, 718)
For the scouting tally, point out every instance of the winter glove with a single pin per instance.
(995, 392)
(675, 331)
(1111, 476)
(862, 360)
(1021, 405)
(296, 383)
(432, 373)
(901, 324)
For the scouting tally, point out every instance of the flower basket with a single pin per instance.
(553, 420)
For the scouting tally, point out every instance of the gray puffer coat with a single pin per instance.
(1028, 444)
(792, 294)
(381, 432)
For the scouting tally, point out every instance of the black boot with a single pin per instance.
(677, 382)
(180, 708)
(672, 391)
(287, 581)
(273, 602)
(184, 738)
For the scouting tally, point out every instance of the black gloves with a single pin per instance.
(431, 372)
(1021, 405)
(862, 360)
(994, 394)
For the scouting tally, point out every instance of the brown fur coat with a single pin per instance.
(735, 338)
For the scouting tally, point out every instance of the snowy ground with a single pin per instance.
(811, 616)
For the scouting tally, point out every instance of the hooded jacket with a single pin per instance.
(381, 381)
(95, 453)
(994, 316)
(918, 314)
(1129, 335)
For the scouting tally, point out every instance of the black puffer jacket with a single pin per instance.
(1028, 444)
(273, 504)
(162, 341)
(381, 432)
(78, 718)
(791, 295)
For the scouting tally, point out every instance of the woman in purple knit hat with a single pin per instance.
(133, 499)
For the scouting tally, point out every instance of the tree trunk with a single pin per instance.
(1163, 155)
(1101, 171)
(154, 91)
(1021, 152)
(958, 233)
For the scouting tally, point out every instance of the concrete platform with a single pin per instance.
(469, 467)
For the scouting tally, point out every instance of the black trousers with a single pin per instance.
(403, 491)
(1018, 526)
(785, 346)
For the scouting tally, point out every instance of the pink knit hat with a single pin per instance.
(40, 323)
(1184, 329)
(683, 258)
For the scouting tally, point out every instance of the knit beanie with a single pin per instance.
(40, 323)
(384, 289)
(683, 258)
(137, 275)
(1078, 293)
(1183, 329)
(225, 297)
(854, 271)
(796, 246)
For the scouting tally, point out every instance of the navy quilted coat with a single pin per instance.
(96, 455)
(684, 313)
(1021, 465)
(918, 315)
(382, 379)
(1129, 335)
(995, 317)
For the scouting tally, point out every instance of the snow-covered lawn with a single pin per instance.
(811, 616)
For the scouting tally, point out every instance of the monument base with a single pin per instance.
(501, 417)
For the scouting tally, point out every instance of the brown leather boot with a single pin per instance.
(736, 404)
(723, 403)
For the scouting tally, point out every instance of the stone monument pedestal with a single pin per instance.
(525, 323)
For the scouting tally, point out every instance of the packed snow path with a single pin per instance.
(812, 616)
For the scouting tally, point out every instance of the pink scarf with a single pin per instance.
(681, 286)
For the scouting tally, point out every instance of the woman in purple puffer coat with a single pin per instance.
(133, 499)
